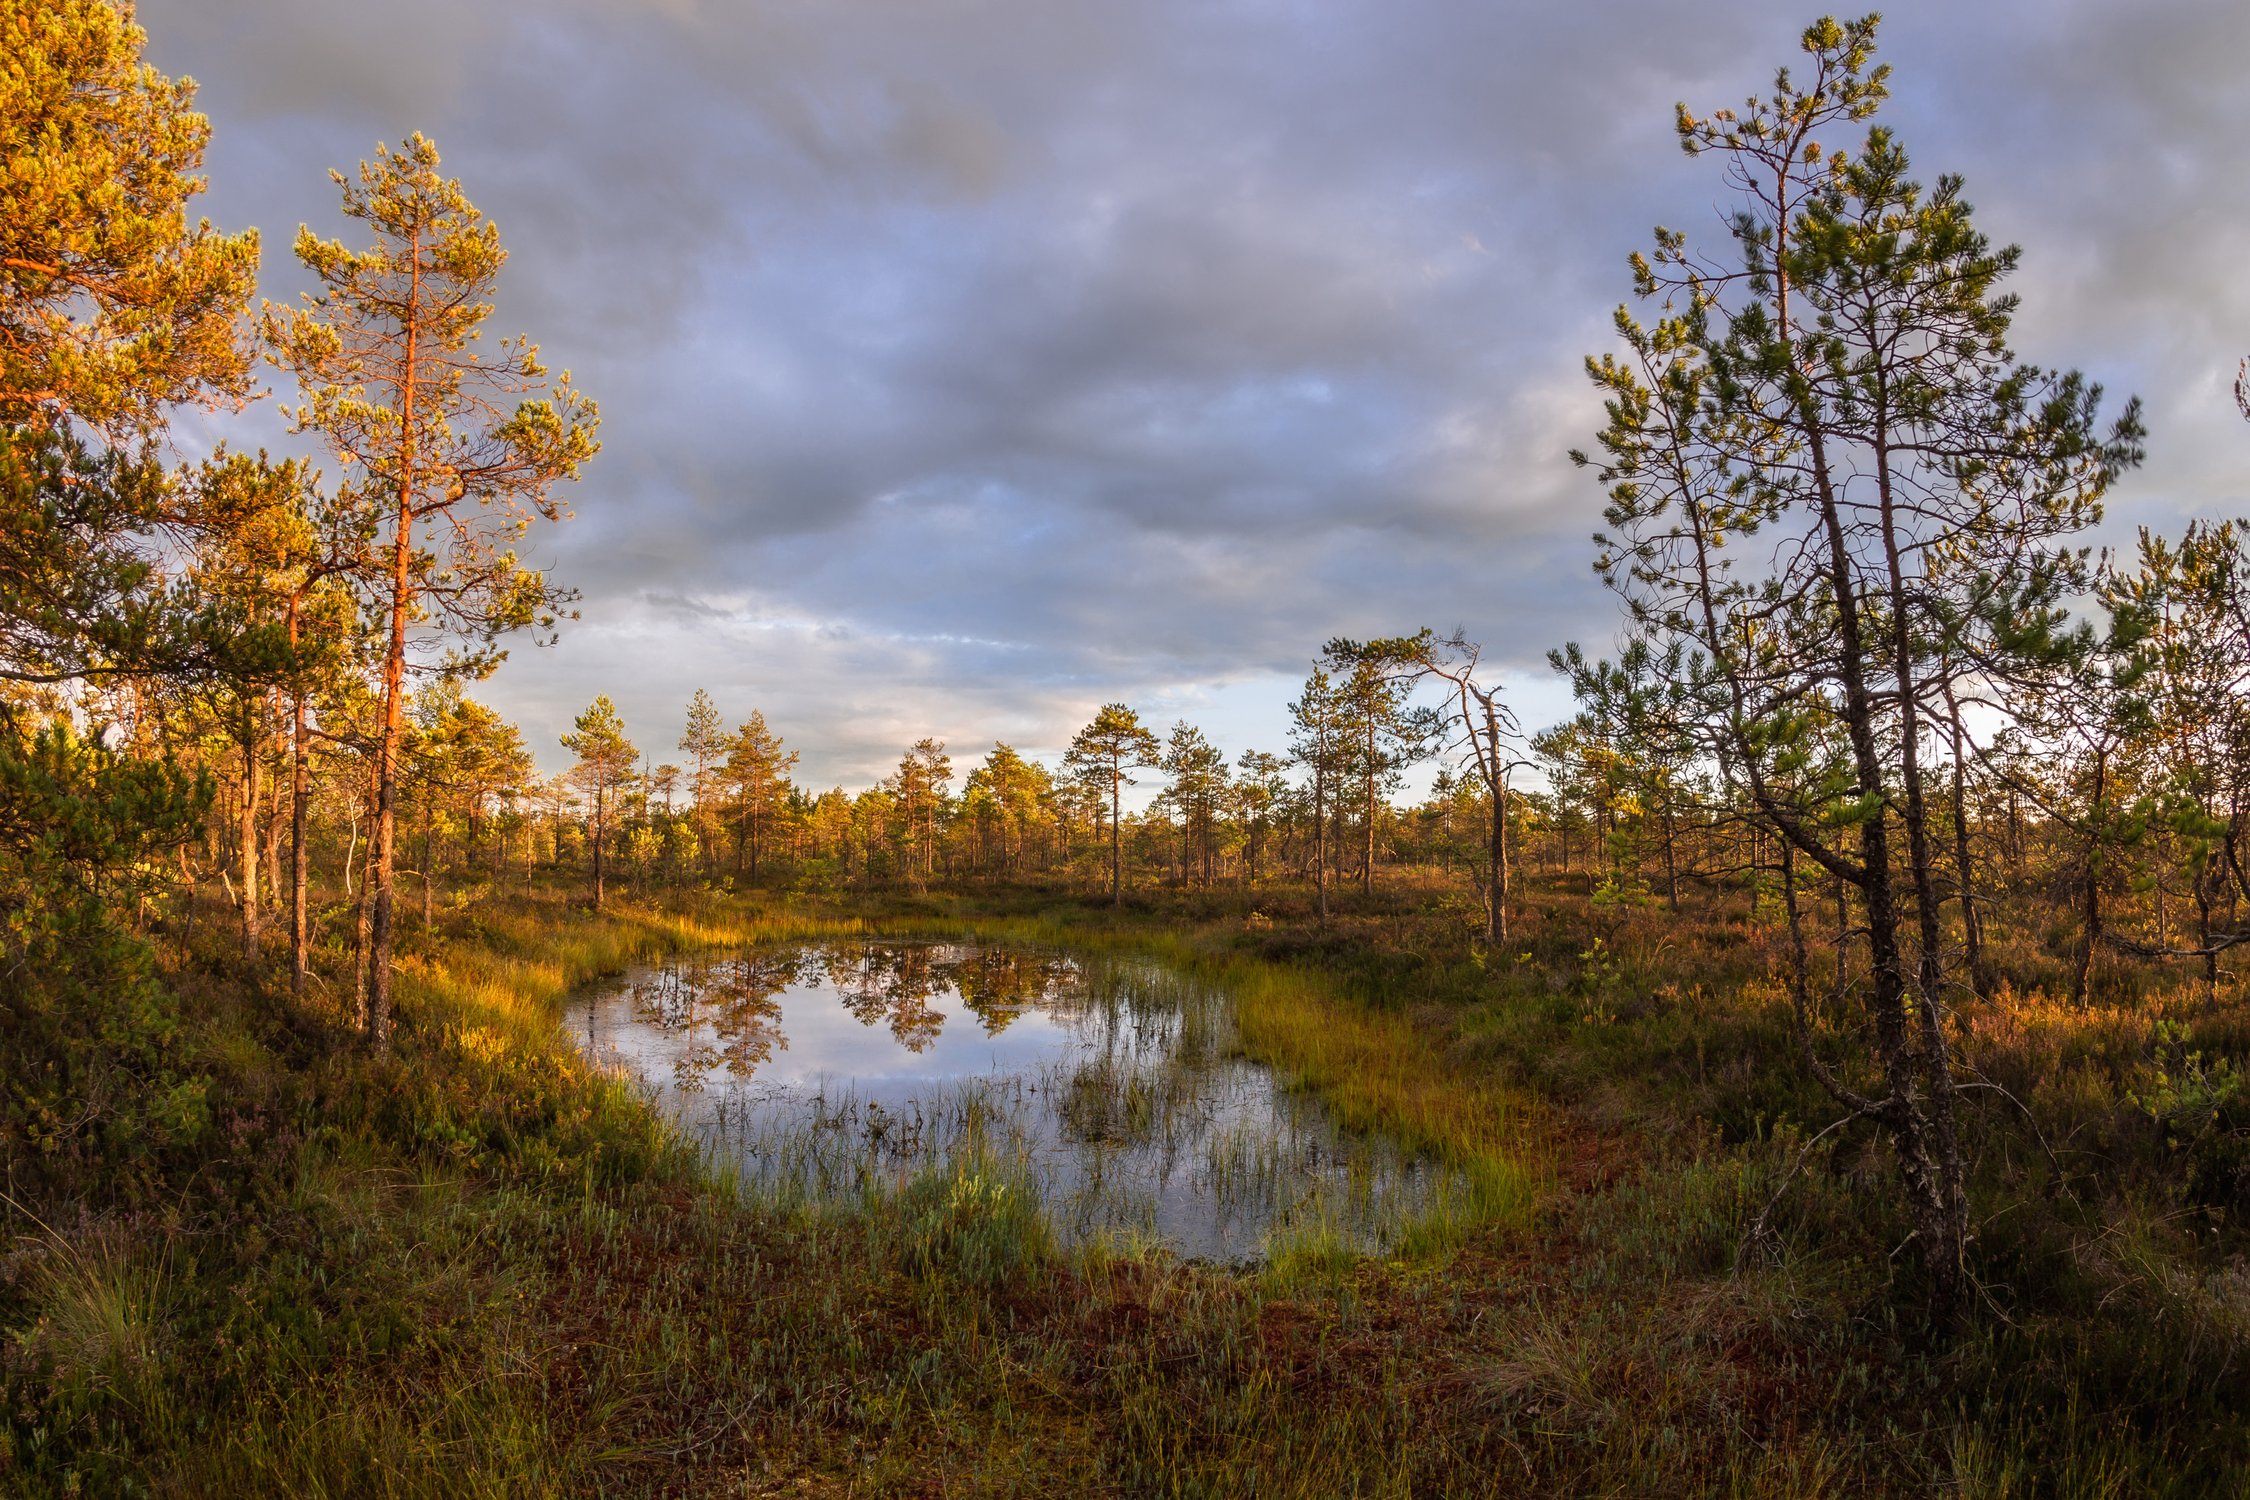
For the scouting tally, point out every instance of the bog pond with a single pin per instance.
(1113, 1089)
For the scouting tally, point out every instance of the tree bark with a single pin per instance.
(383, 852)
(2091, 888)
(600, 828)
(247, 832)
(1671, 857)
(277, 817)
(363, 936)
(1367, 868)
(1116, 837)
(300, 803)
(1945, 1218)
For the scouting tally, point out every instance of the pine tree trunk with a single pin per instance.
(1496, 919)
(277, 818)
(1671, 858)
(363, 937)
(599, 830)
(247, 835)
(1116, 838)
(1367, 867)
(383, 853)
(1972, 923)
(300, 802)
(1919, 1111)
(2091, 888)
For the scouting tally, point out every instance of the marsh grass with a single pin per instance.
(976, 1221)
(486, 1267)
(98, 1309)
(1146, 1118)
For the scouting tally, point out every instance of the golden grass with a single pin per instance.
(472, 1274)
(1375, 1071)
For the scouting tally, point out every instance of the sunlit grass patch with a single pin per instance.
(98, 1308)
(1309, 1248)
(976, 1221)
(1375, 1072)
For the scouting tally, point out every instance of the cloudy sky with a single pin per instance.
(965, 364)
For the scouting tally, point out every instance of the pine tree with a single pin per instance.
(605, 763)
(924, 773)
(1317, 742)
(704, 738)
(1843, 389)
(1380, 732)
(459, 453)
(1483, 725)
(1197, 784)
(757, 769)
(1102, 758)
(113, 311)
(1258, 791)
(1020, 793)
(112, 308)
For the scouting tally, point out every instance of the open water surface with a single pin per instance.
(829, 1071)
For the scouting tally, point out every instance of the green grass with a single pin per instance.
(481, 1267)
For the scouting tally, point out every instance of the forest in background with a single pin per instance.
(1858, 951)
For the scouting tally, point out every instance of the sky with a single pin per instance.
(967, 364)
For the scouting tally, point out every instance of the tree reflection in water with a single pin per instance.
(746, 1001)
(893, 984)
(672, 999)
(729, 1014)
(1109, 1083)
(1000, 984)
(737, 1001)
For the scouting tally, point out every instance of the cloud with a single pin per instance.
(966, 364)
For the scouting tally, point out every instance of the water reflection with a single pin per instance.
(832, 1070)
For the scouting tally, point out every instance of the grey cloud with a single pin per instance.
(280, 60)
(967, 363)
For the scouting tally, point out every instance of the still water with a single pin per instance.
(827, 1072)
